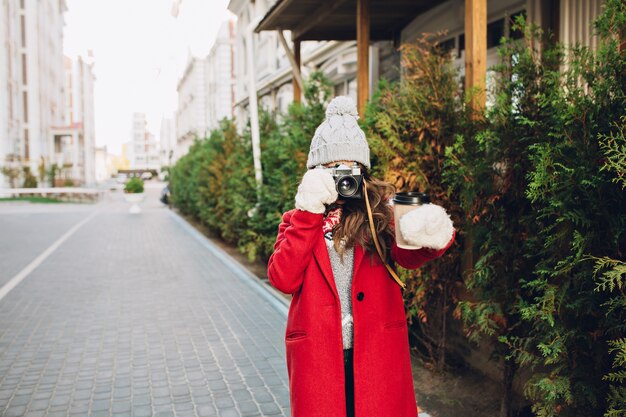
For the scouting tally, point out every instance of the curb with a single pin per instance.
(264, 290)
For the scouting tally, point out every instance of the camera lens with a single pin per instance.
(347, 186)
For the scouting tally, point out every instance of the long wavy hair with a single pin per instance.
(354, 229)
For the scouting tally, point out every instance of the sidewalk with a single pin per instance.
(131, 315)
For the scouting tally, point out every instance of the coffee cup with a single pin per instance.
(402, 204)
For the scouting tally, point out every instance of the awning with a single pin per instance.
(336, 20)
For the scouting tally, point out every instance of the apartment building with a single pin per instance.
(206, 91)
(74, 140)
(32, 78)
(167, 137)
(192, 113)
(221, 76)
(144, 151)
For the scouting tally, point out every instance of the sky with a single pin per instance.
(140, 52)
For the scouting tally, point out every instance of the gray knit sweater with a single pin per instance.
(342, 272)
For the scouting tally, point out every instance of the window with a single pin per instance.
(352, 89)
(447, 45)
(495, 32)
(25, 100)
(516, 33)
(26, 147)
(340, 89)
(24, 70)
(23, 30)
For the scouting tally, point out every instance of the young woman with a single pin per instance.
(346, 338)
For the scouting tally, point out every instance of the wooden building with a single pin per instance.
(474, 28)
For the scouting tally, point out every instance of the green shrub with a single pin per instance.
(542, 207)
(284, 150)
(12, 175)
(134, 185)
(52, 174)
(215, 181)
(534, 186)
(226, 185)
(30, 181)
(184, 179)
(409, 126)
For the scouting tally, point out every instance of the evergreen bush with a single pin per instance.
(284, 151)
(30, 181)
(535, 186)
(184, 179)
(226, 184)
(133, 186)
(409, 126)
(543, 207)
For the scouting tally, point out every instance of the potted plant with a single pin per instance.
(133, 193)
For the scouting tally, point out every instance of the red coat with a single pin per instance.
(383, 383)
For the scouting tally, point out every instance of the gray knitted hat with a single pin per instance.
(339, 137)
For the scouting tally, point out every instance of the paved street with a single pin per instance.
(130, 315)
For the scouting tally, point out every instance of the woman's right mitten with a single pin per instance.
(316, 189)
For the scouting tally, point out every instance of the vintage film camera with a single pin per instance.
(348, 181)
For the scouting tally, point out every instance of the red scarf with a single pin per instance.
(332, 218)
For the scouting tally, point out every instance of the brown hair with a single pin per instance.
(354, 227)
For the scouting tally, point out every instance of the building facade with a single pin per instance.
(273, 71)
(167, 137)
(571, 20)
(74, 140)
(192, 113)
(221, 76)
(32, 78)
(271, 68)
(104, 164)
(144, 151)
(206, 91)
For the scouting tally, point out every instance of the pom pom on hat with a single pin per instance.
(341, 106)
(339, 137)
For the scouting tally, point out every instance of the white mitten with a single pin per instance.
(316, 189)
(427, 226)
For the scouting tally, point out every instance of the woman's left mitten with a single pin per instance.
(428, 226)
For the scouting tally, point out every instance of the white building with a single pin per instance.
(144, 152)
(31, 79)
(206, 91)
(104, 167)
(272, 68)
(192, 113)
(75, 140)
(221, 76)
(167, 137)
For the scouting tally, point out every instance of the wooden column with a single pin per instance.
(476, 50)
(363, 44)
(297, 92)
(475, 81)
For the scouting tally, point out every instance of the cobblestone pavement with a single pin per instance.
(131, 316)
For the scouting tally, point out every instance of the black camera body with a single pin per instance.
(348, 181)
